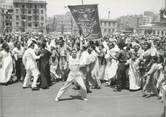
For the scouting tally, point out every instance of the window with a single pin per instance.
(113, 24)
(35, 11)
(23, 6)
(105, 24)
(35, 6)
(30, 25)
(41, 11)
(42, 24)
(23, 17)
(29, 12)
(113, 30)
(42, 18)
(17, 10)
(30, 18)
(36, 24)
(154, 32)
(17, 23)
(41, 6)
(162, 33)
(16, 5)
(29, 5)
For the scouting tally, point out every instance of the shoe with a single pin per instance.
(56, 99)
(97, 87)
(148, 96)
(25, 87)
(89, 91)
(159, 97)
(144, 95)
(84, 99)
(35, 88)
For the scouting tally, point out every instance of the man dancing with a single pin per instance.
(29, 60)
(74, 76)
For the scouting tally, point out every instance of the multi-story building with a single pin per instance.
(62, 24)
(154, 27)
(132, 23)
(108, 26)
(29, 15)
(6, 16)
(129, 23)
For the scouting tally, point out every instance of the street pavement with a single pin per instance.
(18, 102)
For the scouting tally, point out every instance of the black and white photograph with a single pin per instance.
(82, 58)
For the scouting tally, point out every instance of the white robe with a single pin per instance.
(134, 76)
(7, 67)
(29, 59)
(111, 64)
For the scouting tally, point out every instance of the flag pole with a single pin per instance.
(80, 32)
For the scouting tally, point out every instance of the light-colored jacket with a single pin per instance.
(29, 59)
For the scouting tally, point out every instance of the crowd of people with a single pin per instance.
(121, 61)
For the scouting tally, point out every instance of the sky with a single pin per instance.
(117, 8)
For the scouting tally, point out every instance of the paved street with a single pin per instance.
(101, 103)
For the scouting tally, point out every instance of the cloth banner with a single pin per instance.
(163, 16)
(87, 20)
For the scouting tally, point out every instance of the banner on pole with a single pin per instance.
(163, 16)
(87, 20)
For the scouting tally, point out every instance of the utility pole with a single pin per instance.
(82, 1)
(108, 14)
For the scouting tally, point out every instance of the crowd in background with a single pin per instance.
(121, 61)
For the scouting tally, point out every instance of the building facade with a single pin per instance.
(23, 16)
(6, 16)
(29, 16)
(62, 24)
(108, 26)
(155, 27)
(129, 23)
(133, 23)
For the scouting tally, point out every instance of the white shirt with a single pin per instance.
(18, 53)
(29, 59)
(73, 64)
(84, 58)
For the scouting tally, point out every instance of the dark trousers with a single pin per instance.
(19, 69)
(122, 81)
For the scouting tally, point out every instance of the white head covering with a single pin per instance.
(30, 41)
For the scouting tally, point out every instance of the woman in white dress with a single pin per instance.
(111, 63)
(134, 75)
(6, 64)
